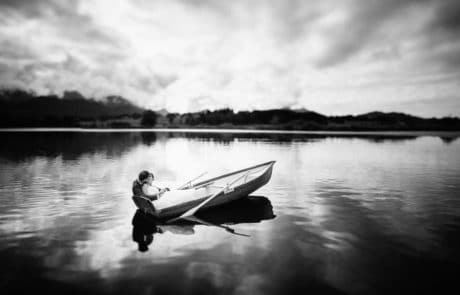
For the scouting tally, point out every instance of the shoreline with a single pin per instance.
(396, 133)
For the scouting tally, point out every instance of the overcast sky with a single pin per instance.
(333, 57)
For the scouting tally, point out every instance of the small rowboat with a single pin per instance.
(190, 198)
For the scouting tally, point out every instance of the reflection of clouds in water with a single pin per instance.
(208, 271)
(104, 250)
(251, 284)
(388, 179)
(299, 165)
(335, 199)
(76, 192)
(52, 189)
(108, 252)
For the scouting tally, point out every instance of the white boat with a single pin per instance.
(215, 191)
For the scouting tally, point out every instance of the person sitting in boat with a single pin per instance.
(143, 186)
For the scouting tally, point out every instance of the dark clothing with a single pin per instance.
(137, 189)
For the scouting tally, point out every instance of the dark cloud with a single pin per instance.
(61, 30)
(441, 36)
(44, 75)
(60, 16)
(152, 82)
(37, 9)
(448, 59)
(70, 65)
(5, 71)
(386, 53)
(447, 17)
(222, 6)
(292, 19)
(365, 18)
(77, 27)
(15, 50)
(165, 80)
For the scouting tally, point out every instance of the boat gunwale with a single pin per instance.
(230, 174)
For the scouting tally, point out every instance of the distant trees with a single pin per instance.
(149, 118)
(296, 120)
(19, 108)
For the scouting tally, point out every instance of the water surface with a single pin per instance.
(343, 214)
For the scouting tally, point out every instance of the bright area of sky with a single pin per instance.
(333, 57)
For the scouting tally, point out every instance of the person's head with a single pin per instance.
(146, 177)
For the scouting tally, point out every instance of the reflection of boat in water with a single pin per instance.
(209, 193)
(251, 209)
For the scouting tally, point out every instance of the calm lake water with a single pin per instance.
(342, 214)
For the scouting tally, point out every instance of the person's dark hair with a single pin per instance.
(144, 175)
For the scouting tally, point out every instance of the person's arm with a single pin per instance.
(152, 194)
(161, 190)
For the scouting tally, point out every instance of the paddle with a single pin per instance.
(190, 181)
(196, 208)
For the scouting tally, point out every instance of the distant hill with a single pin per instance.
(286, 119)
(392, 121)
(20, 108)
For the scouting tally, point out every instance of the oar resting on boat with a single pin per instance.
(192, 211)
(190, 198)
(189, 183)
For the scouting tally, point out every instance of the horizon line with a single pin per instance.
(100, 99)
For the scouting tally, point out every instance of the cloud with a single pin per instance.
(34, 9)
(447, 17)
(352, 29)
(443, 34)
(328, 56)
(15, 50)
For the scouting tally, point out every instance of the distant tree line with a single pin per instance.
(19, 108)
(287, 119)
(24, 108)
